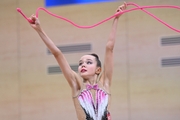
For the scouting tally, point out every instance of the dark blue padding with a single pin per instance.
(51, 3)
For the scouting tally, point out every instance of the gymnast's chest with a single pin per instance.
(92, 97)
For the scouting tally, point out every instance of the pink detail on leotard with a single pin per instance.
(94, 110)
(89, 87)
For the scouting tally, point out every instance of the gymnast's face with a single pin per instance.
(87, 66)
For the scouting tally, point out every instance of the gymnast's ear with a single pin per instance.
(98, 70)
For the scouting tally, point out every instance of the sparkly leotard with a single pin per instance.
(94, 109)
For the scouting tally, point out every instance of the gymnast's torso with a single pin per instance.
(92, 103)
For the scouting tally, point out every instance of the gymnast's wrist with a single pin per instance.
(39, 30)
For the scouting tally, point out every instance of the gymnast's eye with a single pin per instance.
(89, 62)
(80, 63)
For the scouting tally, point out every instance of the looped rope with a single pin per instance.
(137, 7)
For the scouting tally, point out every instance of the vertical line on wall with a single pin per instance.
(18, 61)
(128, 69)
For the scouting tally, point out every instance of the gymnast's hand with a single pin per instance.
(120, 9)
(35, 23)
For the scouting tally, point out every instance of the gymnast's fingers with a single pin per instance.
(31, 19)
(122, 7)
(34, 20)
(119, 9)
(37, 22)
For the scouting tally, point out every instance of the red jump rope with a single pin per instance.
(137, 7)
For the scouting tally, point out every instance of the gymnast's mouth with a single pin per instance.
(83, 70)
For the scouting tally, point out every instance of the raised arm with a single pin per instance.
(108, 62)
(69, 74)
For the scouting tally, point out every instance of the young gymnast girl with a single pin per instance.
(91, 85)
